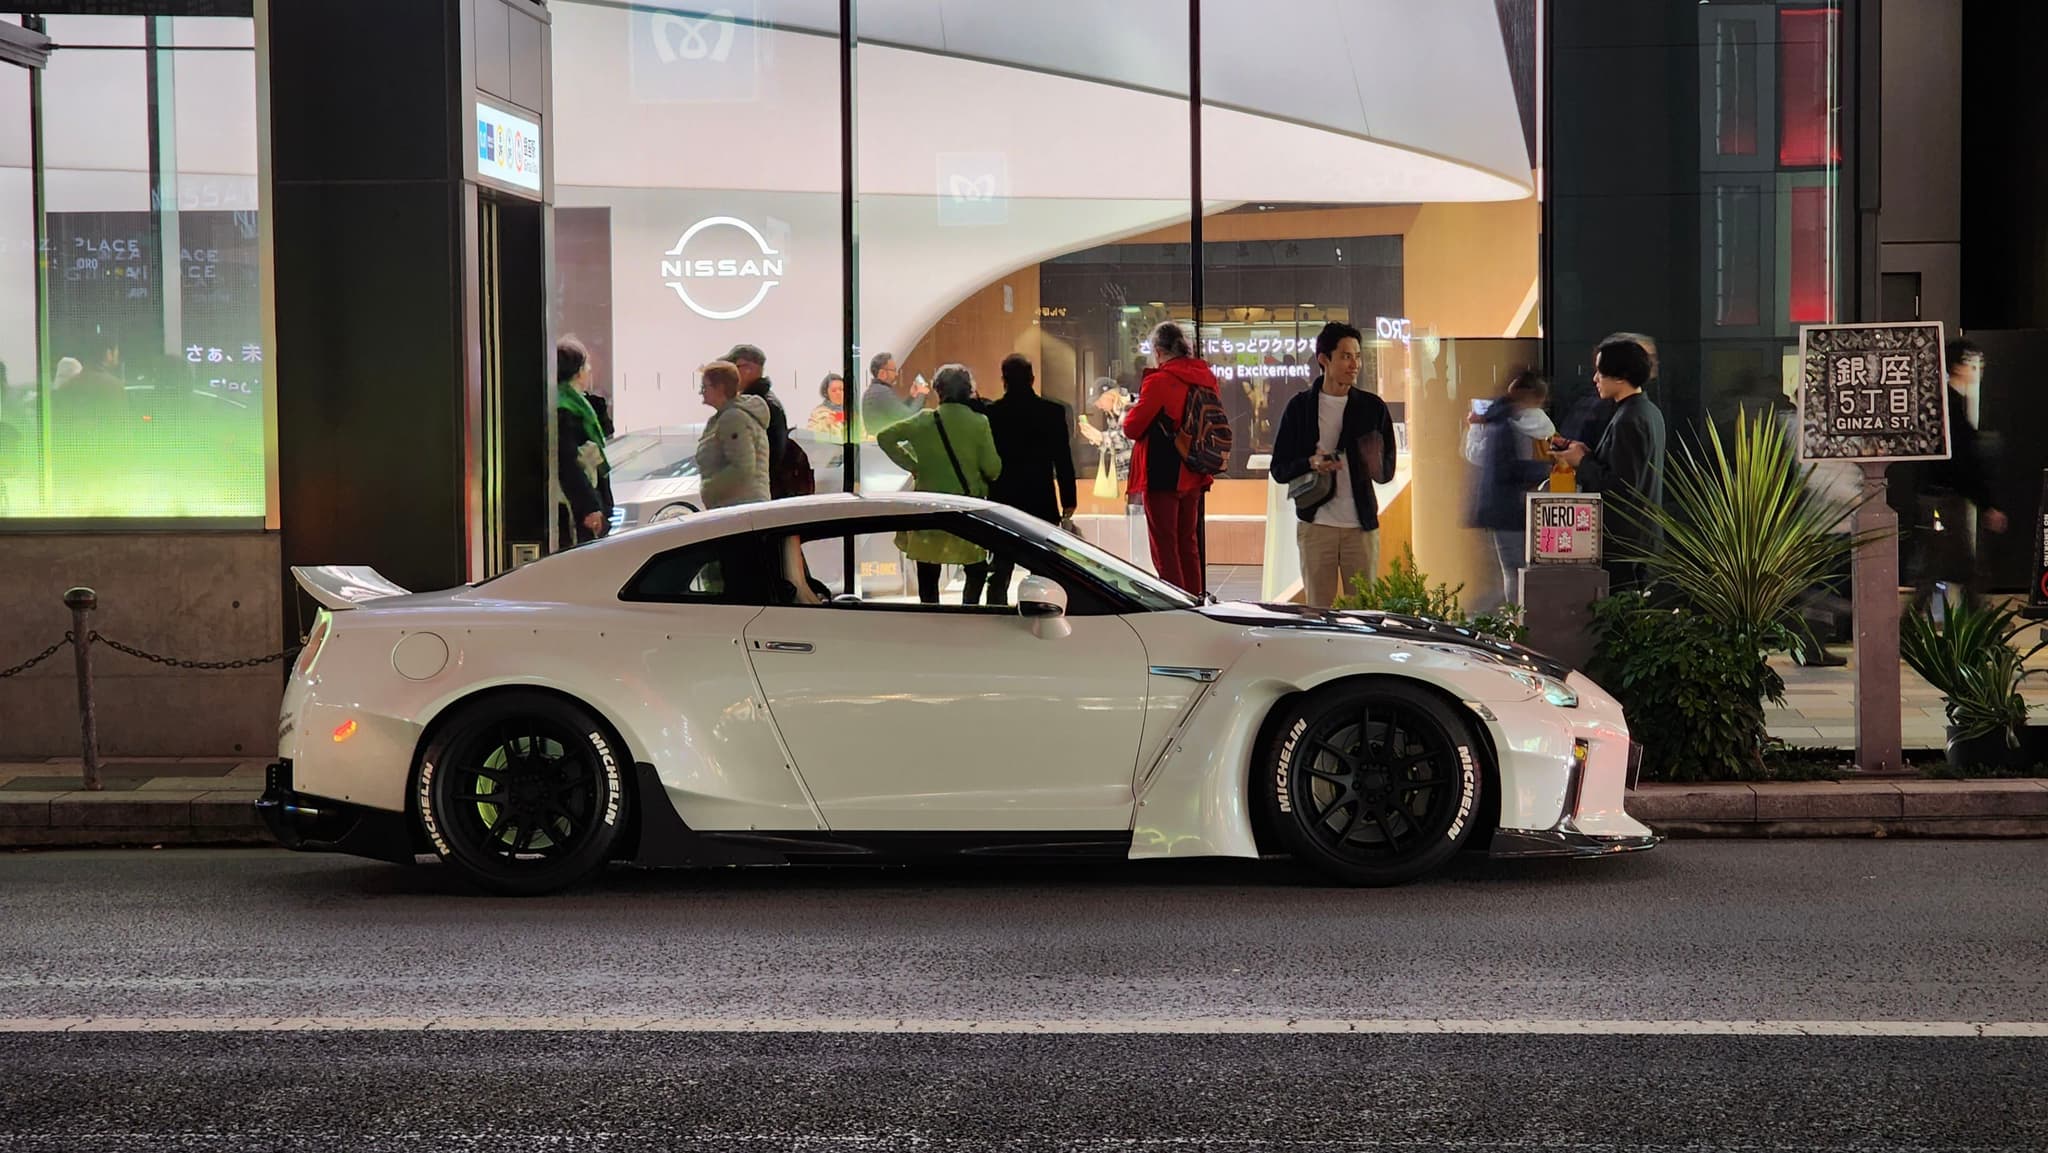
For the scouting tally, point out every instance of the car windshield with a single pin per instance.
(662, 454)
(1151, 593)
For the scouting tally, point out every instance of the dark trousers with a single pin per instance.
(1172, 521)
(928, 575)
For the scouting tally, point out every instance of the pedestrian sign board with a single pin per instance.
(1872, 392)
(1564, 528)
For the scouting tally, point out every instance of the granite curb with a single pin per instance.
(1853, 808)
(1904, 807)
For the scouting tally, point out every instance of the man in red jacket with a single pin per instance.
(1173, 492)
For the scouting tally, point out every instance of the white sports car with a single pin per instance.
(763, 685)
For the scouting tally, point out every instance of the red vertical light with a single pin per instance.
(1810, 291)
(1806, 62)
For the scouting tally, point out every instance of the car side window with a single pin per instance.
(714, 572)
(934, 564)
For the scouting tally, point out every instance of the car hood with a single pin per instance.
(1391, 626)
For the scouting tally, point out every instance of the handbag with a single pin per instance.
(1311, 489)
(1106, 487)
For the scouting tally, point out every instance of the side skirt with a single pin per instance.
(666, 841)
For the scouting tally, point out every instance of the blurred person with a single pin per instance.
(1346, 432)
(1511, 466)
(1034, 440)
(732, 451)
(828, 420)
(581, 469)
(946, 448)
(1172, 492)
(1947, 489)
(1627, 467)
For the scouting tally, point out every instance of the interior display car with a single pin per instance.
(764, 685)
(654, 472)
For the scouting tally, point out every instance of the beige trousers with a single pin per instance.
(1330, 557)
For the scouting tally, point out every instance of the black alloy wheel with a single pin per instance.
(1372, 782)
(524, 793)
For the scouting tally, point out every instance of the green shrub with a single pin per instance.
(1971, 661)
(1406, 590)
(1693, 691)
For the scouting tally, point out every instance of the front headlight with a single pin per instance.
(1554, 692)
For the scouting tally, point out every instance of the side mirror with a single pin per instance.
(1044, 604)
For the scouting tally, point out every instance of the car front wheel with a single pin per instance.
(1371, 782)
(524, 793)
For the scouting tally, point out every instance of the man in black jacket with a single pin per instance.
(1341, 429)
(1035, 440)
(1627, 467)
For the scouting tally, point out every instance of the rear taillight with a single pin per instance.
(322, 625)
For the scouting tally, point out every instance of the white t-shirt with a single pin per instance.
(1341, 510)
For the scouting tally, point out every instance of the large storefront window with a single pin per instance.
(1023, 185)
(141, 381)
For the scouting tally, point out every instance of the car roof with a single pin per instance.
(602, 567)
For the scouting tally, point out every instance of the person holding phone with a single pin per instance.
(1627, 467)
(1343, 431)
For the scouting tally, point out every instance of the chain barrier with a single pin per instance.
(39, 658)
(154, 658)
(99, 638)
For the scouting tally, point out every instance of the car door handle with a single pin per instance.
(783, 646)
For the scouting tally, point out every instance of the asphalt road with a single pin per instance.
(1881, 933)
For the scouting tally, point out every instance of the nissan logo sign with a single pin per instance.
(702, 263)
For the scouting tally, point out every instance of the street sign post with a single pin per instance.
(1873, 394)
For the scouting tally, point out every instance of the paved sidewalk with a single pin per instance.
(146, 801)
(1820, 706)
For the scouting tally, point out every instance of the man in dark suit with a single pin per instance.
(1034, 438)
(1627, 466)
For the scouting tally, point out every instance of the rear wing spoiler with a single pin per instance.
(344, 586)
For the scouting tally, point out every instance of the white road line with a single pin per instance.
(1098, 1025)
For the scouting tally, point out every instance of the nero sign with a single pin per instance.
(1564, 528)
(2037, 597)
(1872, 392)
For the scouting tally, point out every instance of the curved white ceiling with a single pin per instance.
(1359, 101)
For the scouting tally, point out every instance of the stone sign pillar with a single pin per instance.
(1873, 394)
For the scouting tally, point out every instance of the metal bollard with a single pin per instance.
(82, 601)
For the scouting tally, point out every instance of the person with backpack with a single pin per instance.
(945, 448)
(732, 451)
(1334, 442)
(1180, 439)
(789, 466)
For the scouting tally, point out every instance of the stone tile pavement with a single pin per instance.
(145, 800)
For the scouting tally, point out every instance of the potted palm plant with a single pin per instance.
(1971, 661)
(1744, 533)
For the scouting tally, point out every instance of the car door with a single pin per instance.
(903, 716)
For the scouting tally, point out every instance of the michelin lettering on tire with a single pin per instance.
(1284, 762)
(1468, 778)
(426, 800)
(611, 778)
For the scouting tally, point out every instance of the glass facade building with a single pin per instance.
(1016, 179)
(130, 276)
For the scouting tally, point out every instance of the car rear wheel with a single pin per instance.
(1372, 782)
(523, 793)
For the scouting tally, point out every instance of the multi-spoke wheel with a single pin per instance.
(523, 792)
(1373, 782)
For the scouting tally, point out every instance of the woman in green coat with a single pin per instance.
(921, 446)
